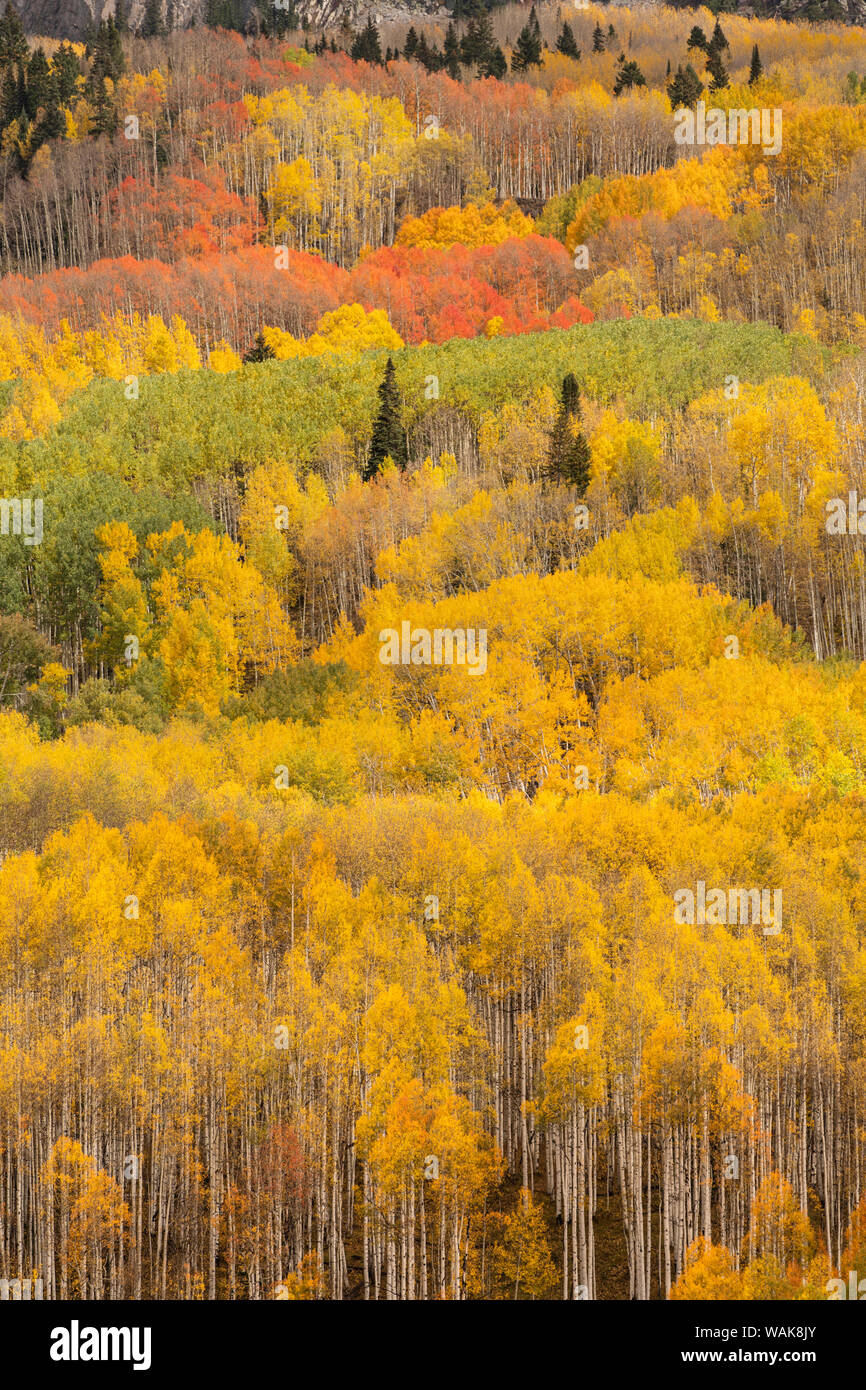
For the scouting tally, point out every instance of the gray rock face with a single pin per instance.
(70, 19)
(67, 19)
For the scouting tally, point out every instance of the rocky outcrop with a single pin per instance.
(67, 19)
(72, 18)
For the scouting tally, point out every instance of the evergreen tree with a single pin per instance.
(467, 46)
(496, 65)
(566, 43)
(225, 14)
(428, 55)
(527, 52)
(284, 21)
(697, 38)
(597, 39)
(51, 125)
(13, 44)
(12, 98)
(477, 44)
(115, 49)
(685, 87)
(411, 44)
(388, 438)
(105, 121)
(66, 70)
(107, 59)
(41, 86)
(43, 101)
(485, 39)
(628, 76)
(366, 47)
(570, 395)
(568, 455)
(451, 52)
(717, 70)
(260, 351)
(756, 68)
(717, 38)
(152, 26)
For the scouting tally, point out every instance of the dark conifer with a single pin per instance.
(388, 438)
